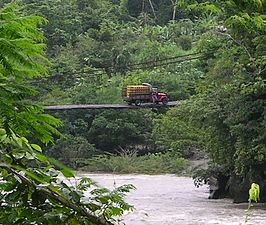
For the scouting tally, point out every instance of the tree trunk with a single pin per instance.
(152, 8)
(174, 10)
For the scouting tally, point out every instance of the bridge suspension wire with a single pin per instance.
(162, 60)
(151, 63)
(168, 63)
(158, 63)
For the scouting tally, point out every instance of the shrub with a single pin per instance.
(185, 42)
(130, 162)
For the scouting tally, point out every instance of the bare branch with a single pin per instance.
(174, 10)
(152, 8)
(237, 42)
(143, 5)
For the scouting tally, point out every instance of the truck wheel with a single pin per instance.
(129, 103)
(165, 101)
(137, 102)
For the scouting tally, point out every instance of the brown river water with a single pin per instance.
(172, 200)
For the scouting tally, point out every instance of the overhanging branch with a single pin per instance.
(65, 202)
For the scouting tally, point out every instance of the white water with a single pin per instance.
(171, 200)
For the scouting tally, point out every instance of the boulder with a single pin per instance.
(239, 188)
(218, 186)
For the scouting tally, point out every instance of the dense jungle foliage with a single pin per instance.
(209, 55)
(35, 189)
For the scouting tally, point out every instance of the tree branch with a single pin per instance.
(65, 202)
(237, 42)
(152, 8)
(174, 10)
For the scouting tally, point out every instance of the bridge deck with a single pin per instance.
(109, 106)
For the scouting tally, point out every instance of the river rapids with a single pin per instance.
(172, 200)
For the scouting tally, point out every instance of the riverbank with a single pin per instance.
(172, 200)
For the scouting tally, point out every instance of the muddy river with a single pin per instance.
(172, 200)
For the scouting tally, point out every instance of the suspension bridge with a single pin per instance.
(108, 106)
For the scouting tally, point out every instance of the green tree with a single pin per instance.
(226, 116)
(230, 104)
(32, 190)
(236, 88)
(110, 131)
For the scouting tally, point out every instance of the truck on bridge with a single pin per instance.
(143, 93)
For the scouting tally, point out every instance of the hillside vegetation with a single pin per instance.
(209, 55)
(94, 45)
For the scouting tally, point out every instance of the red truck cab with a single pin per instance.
(160, 97)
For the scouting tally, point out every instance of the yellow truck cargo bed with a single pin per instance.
(137, 90)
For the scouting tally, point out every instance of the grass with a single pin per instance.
(130, 162)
